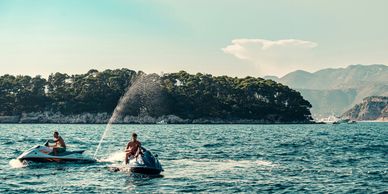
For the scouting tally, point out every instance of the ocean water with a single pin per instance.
(341, 158)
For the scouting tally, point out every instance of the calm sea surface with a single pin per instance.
(206, 158)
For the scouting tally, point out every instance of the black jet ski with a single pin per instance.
(145, 163)
(43, 153)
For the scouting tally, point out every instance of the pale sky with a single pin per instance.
(221, 37)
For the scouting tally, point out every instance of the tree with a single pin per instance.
(182, 94)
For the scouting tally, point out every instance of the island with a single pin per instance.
(168, 98)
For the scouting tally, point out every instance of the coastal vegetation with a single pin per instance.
(184, 95)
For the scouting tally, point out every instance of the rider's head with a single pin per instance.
(56, 134)
(134, 136)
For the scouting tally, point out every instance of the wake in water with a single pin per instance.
(15, 163)
(145, 85)
(117, 162)
(114, 157)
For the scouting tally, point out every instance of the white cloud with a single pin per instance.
(273, 57)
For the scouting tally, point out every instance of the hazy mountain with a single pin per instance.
(333, 91)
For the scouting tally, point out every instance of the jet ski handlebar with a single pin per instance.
(142, 149)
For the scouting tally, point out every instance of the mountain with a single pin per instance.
(333, 91)
(371, 108)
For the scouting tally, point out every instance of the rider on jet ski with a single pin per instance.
(133, 148)
(59, 146)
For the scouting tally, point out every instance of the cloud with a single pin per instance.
(273, 57)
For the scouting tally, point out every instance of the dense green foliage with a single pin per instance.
(181, 94)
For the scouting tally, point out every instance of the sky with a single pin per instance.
(221, 37)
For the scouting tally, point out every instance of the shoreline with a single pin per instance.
(103, 118)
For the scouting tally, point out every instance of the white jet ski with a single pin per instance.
(145, 163)
(43, 153)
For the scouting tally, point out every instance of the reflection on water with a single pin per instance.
(205, 158)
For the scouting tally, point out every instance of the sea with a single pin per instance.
(308, 158)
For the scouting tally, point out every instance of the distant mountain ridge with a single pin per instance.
(374, 108)
(333, 91)
(353, 76)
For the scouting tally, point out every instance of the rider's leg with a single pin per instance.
(127, 154)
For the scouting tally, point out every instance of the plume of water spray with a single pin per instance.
(147, 86)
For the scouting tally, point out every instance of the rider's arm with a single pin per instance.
(127, 146)
(53, 141)
(139, 151)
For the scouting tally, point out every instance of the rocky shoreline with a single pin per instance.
(103, 118)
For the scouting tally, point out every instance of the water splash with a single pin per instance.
(15, 163)
(114, 157)
(117, 160)
(146, 88)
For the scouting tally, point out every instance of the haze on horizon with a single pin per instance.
(221, 37)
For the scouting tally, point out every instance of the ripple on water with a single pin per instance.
(207, 158)
(211, 167)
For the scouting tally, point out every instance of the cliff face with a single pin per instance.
(374, 108)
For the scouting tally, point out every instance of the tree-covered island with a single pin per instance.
(173, 98)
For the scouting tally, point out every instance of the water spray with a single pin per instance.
(143, 84)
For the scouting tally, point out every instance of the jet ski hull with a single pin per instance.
(43, 154)
(150, 171)
(145, 163)
(58, 160)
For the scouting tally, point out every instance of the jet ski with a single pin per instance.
(145, 163)
(43, 153)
